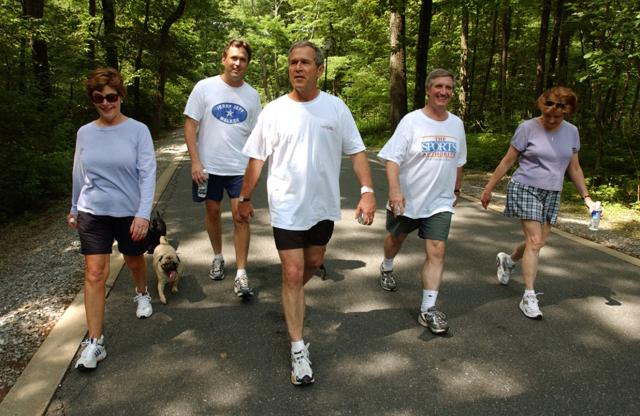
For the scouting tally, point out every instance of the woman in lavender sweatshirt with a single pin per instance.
(114, 173)
(546, 147)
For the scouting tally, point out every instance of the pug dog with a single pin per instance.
(167, 266)
(157, 229)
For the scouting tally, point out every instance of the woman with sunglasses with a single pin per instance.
(546, 147)
(114, 173)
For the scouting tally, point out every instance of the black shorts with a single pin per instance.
(318, 235)
(97, 233)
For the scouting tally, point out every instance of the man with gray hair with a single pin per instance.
(304, 134)
(424, 160)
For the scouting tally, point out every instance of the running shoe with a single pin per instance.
(216, 272)
(93, 352)
(529, 306)
(387, 280)
(505, 267)
(433, 319)
(301, 373)
(144, 309)
(241, 286)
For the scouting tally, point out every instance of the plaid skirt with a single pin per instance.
(531, 203)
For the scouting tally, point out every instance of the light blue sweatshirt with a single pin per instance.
(114, 170)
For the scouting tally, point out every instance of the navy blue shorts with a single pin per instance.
(435, 227)
(318, 235)
(97, 233)
(216, 186)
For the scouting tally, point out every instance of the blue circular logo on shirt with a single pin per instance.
(229, 113)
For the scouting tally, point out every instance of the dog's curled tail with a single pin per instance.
(163, 240)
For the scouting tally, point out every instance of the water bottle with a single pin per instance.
(595, 216)
(202, 187)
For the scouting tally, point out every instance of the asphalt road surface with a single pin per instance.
(209, 353)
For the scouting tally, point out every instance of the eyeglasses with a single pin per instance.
(98, 98)
(557, 105)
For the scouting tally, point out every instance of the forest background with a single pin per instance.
(504, 53)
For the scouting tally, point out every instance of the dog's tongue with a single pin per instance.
(172, 275)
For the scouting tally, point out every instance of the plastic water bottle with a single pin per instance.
(202, 187)
(595, 216)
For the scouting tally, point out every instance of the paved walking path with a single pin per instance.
(207, 352)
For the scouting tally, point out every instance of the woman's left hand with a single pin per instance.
(139, 228)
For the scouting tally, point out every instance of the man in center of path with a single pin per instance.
(304, 135)
(424, 160)
(220, 113)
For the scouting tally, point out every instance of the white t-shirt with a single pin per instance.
(428, 153)
(304, 142)
(226, 116)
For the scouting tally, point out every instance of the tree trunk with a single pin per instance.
(398, 78)
(542, 45)
(162, 69)
(109, 15)
(138, 62)
(34, 9)
(563, 50)
(504, 57)
(492, 51)
(472, 70)
(422, 53)
(464, 53)
(553, 50)
(91, 40)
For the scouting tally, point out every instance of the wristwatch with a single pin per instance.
(243, 199)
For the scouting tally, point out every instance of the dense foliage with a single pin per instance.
(504, 50)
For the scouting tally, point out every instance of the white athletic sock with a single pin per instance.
(429, 298)
(387, 264)
(528, 292)
(297, 346)
(218, 256)
(241, 272)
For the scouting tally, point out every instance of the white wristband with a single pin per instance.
(365, 189)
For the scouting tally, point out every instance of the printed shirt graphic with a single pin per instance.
(226, 116)
(428, 153)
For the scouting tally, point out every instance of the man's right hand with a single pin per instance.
(196, 172)
(396, 202)
(245, 211)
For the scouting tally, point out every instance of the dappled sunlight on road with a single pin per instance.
(390, 364)
(472, 380)
(623, 321)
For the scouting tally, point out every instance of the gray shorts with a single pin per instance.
(435, 227)
(531, 203)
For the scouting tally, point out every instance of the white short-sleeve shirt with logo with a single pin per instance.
(304, 142)
(428, 153)
(226, 116)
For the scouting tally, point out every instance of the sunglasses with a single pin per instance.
(98, 99)
(560, 106)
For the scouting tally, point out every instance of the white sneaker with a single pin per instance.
(241, 286)
(144, 309)
(301, 373)
(94, 352)
(216, 271)
(529, 307)
(505, 267)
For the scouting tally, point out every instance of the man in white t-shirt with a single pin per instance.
(424, 160)
(304, 135)
(220, 114)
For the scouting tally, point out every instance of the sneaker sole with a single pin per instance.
(306, 381)
(434, 331)
(85, 369)
(217, 278)
(144, 316)
(244, 293)
(388, 289)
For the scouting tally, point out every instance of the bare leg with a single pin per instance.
(241, 236)
(433, 267)
(95, 278)
(213, 223)
(535, 237)
(392, 245)
(298, 265)
(138, 267)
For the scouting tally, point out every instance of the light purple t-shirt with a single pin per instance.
(544, 155)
